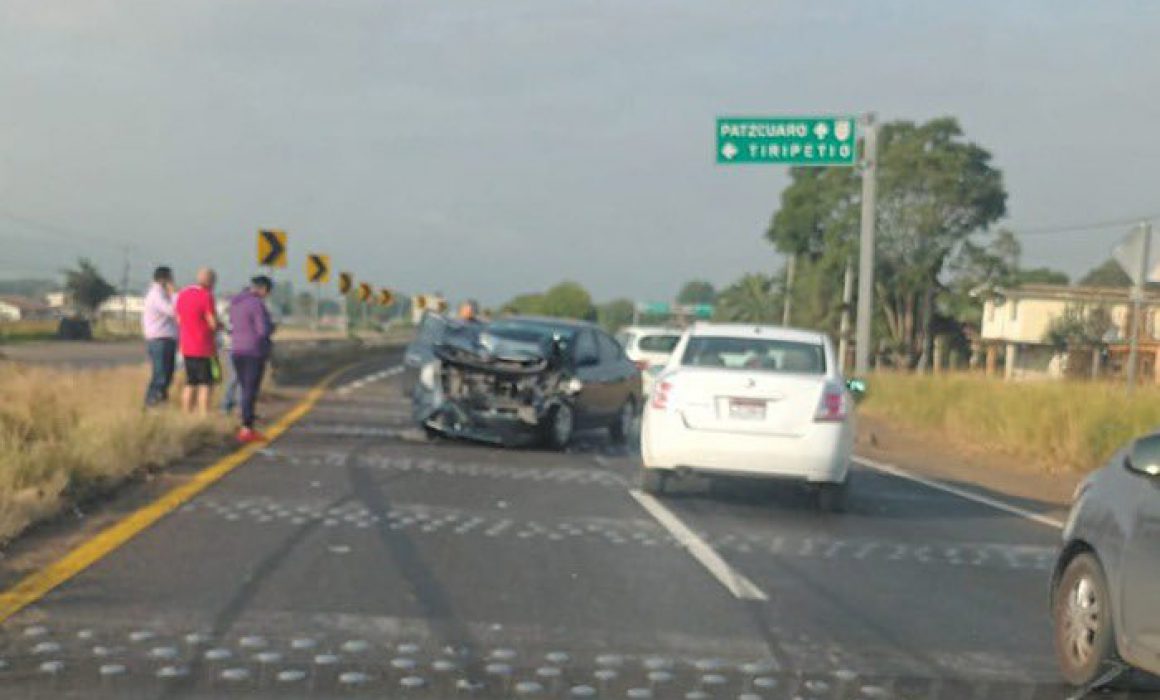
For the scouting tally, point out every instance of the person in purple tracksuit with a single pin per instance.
(251, 334)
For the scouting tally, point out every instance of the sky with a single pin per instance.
(487, 149)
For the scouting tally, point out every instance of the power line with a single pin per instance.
(1089, 227)
(60, 231)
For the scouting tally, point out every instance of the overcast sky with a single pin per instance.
(492, 148)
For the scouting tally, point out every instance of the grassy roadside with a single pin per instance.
(1052, 426)
(67, 436)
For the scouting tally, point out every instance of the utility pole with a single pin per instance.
(1137, 304)
(866, 246)
(844, 324)
(787, 302)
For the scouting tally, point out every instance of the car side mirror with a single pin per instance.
(857, 388)
(1144, 456)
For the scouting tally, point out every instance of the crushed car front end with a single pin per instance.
(482, 388)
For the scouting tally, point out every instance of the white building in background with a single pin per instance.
(18, 308)
(131, 305)
(1016, 323)
(57, 300)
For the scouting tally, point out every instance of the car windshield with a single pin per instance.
(754, 354)
(658, 343)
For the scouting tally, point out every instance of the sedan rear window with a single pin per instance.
(755, 354)
(658, 343)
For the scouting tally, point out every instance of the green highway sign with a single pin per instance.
(653, 307)
(787, 140)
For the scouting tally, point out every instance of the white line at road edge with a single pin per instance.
(736, 583)
(961, 493)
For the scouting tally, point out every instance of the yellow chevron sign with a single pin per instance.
(318, 268)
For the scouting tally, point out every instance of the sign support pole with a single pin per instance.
(1137, 304)
(317, 304)
(866, 248)
(844, 324)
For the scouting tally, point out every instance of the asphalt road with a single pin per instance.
(354, 558)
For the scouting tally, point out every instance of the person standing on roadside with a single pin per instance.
(197, 324)
(159, 326)
(252, 331)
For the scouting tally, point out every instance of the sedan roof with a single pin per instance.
(751, 330)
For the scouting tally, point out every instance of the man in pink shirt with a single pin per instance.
(197, 322)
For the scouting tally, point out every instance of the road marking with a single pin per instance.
(700, 550)
(38, 584)
(961, 493)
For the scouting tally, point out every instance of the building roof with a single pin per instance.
(24, 303)
(1060, 292)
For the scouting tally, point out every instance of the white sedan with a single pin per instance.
(751, 401)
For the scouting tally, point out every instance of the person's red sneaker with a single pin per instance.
(248, 435)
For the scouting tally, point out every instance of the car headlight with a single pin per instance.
(427, 375)
(574, 386)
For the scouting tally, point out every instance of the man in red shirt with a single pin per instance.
(197, 324)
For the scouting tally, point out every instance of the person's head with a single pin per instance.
(206, 277)
(261, 285)
(163, 275)
(468, 310)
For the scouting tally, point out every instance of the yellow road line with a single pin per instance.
(36, 585)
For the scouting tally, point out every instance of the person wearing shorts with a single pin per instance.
(197, 323)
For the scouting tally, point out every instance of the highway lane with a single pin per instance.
(355, 558)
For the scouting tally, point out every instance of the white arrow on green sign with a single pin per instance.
(787, 140)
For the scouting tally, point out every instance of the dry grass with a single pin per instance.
(68, 435)
(1054, 426)
(22, 331)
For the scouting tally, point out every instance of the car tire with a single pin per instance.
(831, 497)
(559, 427)
(621, 426)
(1082, 615)
(653, 481)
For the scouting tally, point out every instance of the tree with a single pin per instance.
(304, 305)
(696, 292)
(526, 304)
(935, 190)
(86, 287)
(569, 300)
(752, 299)
(615, 314)
(1042, 275)
(1079, 326)
(1106, 274)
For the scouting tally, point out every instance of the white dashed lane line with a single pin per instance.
(736, 583)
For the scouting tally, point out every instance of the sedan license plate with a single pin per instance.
(746, 409)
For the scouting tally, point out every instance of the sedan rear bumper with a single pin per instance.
(820, 455)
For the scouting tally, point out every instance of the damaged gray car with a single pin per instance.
(520, 380)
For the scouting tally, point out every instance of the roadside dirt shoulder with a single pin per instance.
(983, 471)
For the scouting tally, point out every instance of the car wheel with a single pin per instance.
(1083, 621)
(561, 424)
(653, 481)
(832, 497)
(622, 426)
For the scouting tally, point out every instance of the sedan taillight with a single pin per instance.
(834, 405)
(661, 394)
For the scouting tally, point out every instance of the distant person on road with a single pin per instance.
(252, 331)
(159, 326)
(197, 323)
(225, 344)
(469, 311)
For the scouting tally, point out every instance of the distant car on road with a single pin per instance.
(521, 379)
(751, 401)
(649, 347)
(1105, 590)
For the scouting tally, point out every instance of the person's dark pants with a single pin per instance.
(162, 357)
(249, 372)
